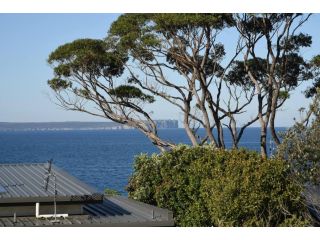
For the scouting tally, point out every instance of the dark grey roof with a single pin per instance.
(114, 211)
(2, 189)
(25, 183)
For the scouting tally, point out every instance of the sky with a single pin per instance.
(25, 43)
(27, 40)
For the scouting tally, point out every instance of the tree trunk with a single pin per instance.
(272, 129)
(273, 117)
(189, 132)
(263, 129)
(263, 141)
(234, 132)
(220, 135)
(159, 143)
(186, 125)
(207, 124)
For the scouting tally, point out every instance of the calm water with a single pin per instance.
(103, 159)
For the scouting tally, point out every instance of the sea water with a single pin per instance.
(101, 158)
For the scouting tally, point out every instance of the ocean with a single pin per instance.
(101, 158)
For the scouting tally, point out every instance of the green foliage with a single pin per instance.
(58, 84)
(264, 23)
(87, 60)
(238, 73)
(214, 187)
(127, 91)
(144, 35)
(316, 61)
(174, 21)
(292, 68)
(284, 95)
(300, 146)
(84, 56)
(249, 191)
(287, 67)
(131, 27)
(111, 192)
(315, 64)
(294, 42)
(295, 221)
(173, 181)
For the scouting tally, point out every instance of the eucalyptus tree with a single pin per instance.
(187, 46)
(315, 66)
(180, 59)
(272, 63)
(300, 145)
(87, 73)
(175, 57)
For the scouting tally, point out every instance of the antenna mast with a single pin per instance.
(49, 174)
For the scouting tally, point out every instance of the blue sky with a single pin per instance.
(27, 40)
(25, 43)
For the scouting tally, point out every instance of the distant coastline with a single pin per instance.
(68, 126)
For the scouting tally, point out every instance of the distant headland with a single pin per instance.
(64, 126)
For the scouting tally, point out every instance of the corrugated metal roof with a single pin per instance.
(114, 211)
(25, 183)
(2, 190)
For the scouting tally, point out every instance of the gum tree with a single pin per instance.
(87, 73)
(180, 59)
(175, 57)
(277, 69)
(187, 46)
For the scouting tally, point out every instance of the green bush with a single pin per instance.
(111, 192)
(209, 187)
(301, 149)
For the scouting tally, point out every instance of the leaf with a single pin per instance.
(128, 92)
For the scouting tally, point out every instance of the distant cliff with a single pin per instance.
(167, 123)
(59, 126)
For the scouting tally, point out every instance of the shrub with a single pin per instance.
(111, 192)
(172, 180)
(214, 187)
(249, 191)
(301, 149)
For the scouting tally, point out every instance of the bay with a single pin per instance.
(101, 158)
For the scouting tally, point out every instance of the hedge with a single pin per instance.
(204, 186)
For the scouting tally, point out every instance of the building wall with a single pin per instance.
(23, 210)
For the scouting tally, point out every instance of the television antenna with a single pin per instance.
(48, 175)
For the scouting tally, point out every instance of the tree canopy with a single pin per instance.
(181, 59)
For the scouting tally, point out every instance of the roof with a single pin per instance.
(25, 183)
(115, 211)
